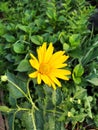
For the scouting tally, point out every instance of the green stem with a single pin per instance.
(13, 120)
(33, 119)
(17, 110)
(90, 51)
(29, 99)
(28, 91)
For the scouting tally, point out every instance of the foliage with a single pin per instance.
(24, 26)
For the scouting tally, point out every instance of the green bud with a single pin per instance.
(71, 99)
(69, 114)
(79, 101)
(4, 78)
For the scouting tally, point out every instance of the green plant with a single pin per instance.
(24, 26)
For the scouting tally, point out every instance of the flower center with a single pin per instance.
(44, 68)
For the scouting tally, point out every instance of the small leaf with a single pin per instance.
(23, 66)
(62, 37)
(78, 70)
(22, 27)
(61, 18)
(77, 80)
(51, 13)
(62, 117)
(9, 38)
(4, 109)
(93, 81)
(77, 73)
(74, 40)
(88, 105)
(65, 47)
(80, 93)
(38, 40)
(79, 118)
(19, 47)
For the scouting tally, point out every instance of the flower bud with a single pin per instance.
(69, 114)
(4, 78)
(79, 101)
(71, 99)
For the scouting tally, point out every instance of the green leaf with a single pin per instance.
(23, 66)
(39, 120)
(77, 73)
(51, 122)
(77, 80)
(96, 120)
(59, 125)
(76, 53)
(9, 38)
(38, 40)
(1, 48)
(19, 47)
(80, 93)
(5, 109)
(2, 28)
(62, 117)
(93, 81)
(16, 86)
(10, 57)
(65, 47)
(22, 27)
(62, 37)
(61, 18)
(12, 100)
(14, 92)
(88, 105)
(3, 6)
(79, 118)
(78, 70)
(51, 13)
(74, 40)
(27, 120)
(56, 97)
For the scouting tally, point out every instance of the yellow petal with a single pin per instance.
(34, 63)
(41, 52)
(61, 73)
(49, 53)
(57, 55)
(46, 79)
(32, 56)
(53, 85)
(56, 81)
(39, 78)
(59, 65)
(60, 60)
(33, 75)
(40, 58)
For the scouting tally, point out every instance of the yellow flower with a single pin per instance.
(48, 66)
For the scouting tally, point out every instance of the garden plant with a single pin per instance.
(48, 65)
